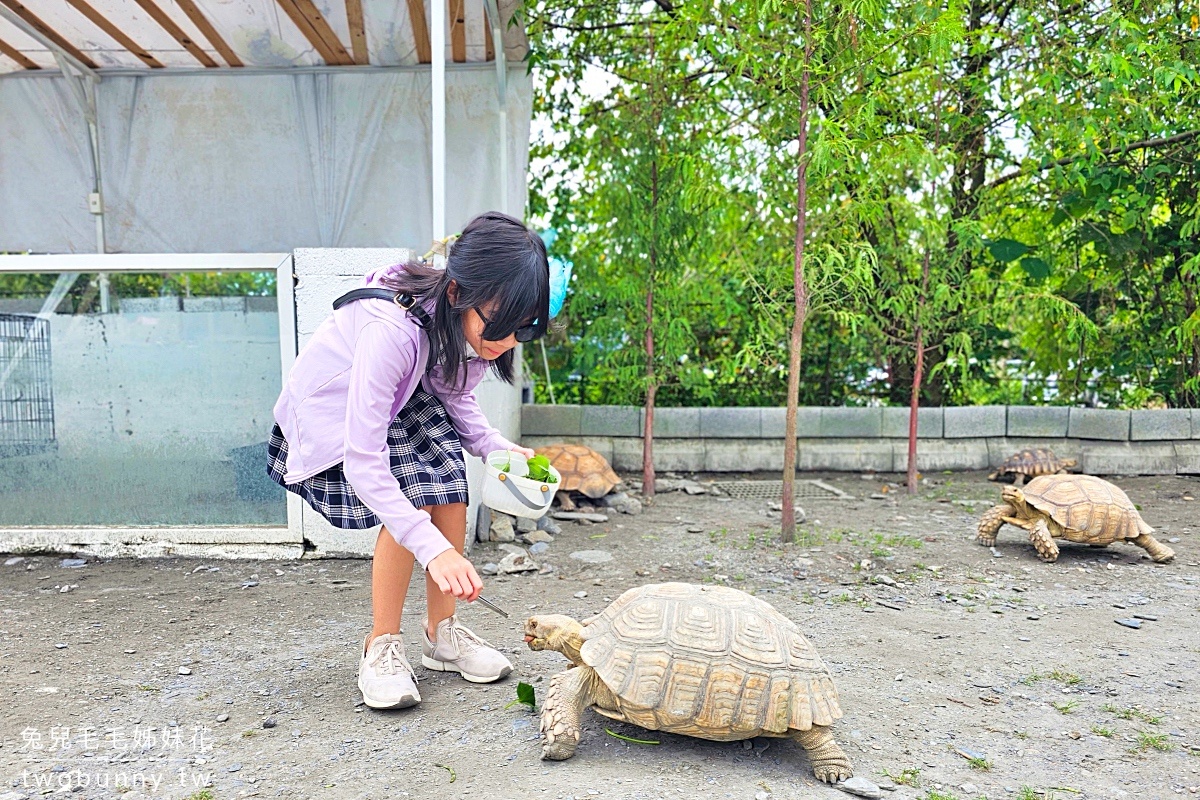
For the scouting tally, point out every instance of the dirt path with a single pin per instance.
(963, 673)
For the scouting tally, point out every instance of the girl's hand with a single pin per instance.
(455, 575)
(525, 451)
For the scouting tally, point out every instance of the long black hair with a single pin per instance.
(496, 259)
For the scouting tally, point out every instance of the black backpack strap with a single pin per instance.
(402, 299)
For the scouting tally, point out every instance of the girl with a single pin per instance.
(372, 422)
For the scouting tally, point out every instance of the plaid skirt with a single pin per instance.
(426, 456)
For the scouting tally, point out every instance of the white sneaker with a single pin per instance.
(384, 676)
(458, 649)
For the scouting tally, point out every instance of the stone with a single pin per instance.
(268, 723)
(774, 422)
(536, 537)
(184, 671)
(539, 548)
(592, 556)
(545, 420)
(741, 455)
(1125, 458)
(502, 528)
(222, 718)
(578, 516)
(14, 560)
(860, 787)
(845, 455)
(525, 525)
(693, 488)
(852, 422)
(886, 580)
(1046, 422)
(73, 563)
(676, 423)
(929, 423)
(1160, 423)
(490, 568)
(513, 563)
(611, 421)
(935, 455)
(516, 550)
(974, 422)
(580, 595)
(1098, 423)
(622, 503)
(730, 423)
(1130, 623)
(549, 526)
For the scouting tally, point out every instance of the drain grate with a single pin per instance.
(809, 489)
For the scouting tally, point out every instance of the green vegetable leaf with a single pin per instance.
(538, 469)
(525, 696)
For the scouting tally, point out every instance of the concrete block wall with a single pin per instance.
(1103, 441)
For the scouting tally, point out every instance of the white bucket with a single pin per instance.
(510, 494)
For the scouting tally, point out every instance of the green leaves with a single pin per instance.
(1035, 268)
(1006, 250)
(525, 697)
(538, 469)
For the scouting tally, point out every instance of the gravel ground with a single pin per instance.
(963, 672)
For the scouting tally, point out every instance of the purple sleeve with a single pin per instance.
(477, 434)
(383, 358)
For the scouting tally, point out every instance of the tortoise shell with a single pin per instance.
(1031, 463)
(1088, 509)
(707, 661)
(582, 469)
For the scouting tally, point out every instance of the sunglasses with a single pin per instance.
(524, 334)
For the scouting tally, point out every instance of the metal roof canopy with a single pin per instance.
(83, 41)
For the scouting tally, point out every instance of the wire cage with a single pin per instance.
(26, 388)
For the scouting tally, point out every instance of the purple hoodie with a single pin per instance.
(359, 369)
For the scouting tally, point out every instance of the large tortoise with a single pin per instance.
(704, 661)
(582, 469)
(1031, 464)
(1078, 508)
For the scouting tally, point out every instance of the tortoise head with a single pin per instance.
(554, 632)
(1013, 496)
(1069, 463)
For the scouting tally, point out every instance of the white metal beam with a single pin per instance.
(437, 44)
(145, 262)
(493, 12)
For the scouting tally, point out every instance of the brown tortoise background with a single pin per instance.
(1077, 508)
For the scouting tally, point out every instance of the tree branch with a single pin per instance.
(1144, 144)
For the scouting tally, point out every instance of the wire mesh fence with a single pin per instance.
(26, 388)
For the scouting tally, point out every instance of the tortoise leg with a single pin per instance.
(1043, 542)
(1157, 550)
(991, 522)
(1019, 479)
(564, 501)
(829, 763)
(570, 693)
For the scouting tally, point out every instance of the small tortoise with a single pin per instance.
(1031, 464)
(704, 661)
(1078, 508)
(582, 470)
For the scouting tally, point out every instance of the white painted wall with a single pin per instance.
(322, 274)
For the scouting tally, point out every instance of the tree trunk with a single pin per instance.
(651, 389)
(913, 405)
(800, 292)
(651, 386)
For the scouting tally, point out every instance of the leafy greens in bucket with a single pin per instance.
(536, 469)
